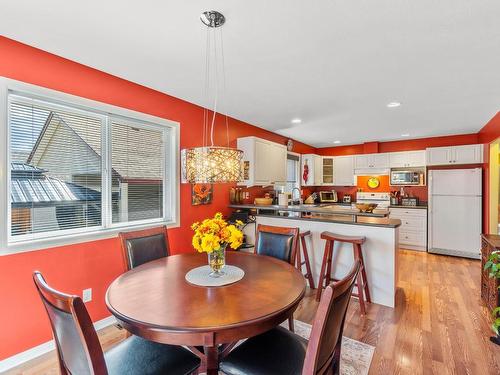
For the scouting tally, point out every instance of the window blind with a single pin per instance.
(55, 167)
(138, 171)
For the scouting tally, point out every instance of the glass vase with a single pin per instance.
(217, 261)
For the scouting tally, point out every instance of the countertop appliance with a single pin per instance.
(383, 200)
(328, 196)
(455, 201)
(407, 177)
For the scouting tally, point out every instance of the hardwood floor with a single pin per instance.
(439, 325)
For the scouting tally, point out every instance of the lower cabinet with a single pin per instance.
(413, 230)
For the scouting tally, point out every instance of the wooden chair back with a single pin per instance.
(323, 350)
(278, 242)
(143, 246)
(78, 348)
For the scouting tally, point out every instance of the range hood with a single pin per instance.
(372, 171)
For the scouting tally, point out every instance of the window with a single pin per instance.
(74, 169)
(292, 172)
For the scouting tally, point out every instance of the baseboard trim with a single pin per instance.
(39, 350)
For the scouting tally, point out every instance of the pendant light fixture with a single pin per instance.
(209, 163)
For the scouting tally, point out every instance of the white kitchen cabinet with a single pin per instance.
(458, 155)
(343, 171)
(371, 161)
(277, 162)
(468, 154)
(413, 229)
(263, 163)
(315, 167)
(327, 173)
(407, 159)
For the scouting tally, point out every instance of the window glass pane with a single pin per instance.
(55, 155)
(137, 160)
(291, 174)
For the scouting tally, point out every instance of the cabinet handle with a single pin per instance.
(406, 222)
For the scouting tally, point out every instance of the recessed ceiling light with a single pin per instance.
(405, 135)
(336, 142)
(393, 104)
(296, 121)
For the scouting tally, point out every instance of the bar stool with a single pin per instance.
(325, 276)
(300, 263)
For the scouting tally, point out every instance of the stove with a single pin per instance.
(382, 199)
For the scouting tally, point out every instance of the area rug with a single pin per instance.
(355, 357)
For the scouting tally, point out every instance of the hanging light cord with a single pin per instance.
(216, 84)
(207, 124)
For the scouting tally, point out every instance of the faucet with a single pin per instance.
(293, 200)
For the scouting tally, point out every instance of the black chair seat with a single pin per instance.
(274, 352)
(136, 356)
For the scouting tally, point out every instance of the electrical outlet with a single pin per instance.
(247, 195)
(87, 295)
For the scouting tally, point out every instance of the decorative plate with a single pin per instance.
(373, 182)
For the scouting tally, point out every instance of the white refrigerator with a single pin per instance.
(455, 212)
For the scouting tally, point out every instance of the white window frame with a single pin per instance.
(38, 241)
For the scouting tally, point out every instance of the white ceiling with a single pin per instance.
(334, 64)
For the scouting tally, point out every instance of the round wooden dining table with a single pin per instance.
(156, 302)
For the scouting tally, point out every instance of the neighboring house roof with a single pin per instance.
(136, 152)
(29, 186)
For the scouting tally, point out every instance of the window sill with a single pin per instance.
(102, 234)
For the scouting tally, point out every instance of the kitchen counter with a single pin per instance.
(325, 209)
(379, 251)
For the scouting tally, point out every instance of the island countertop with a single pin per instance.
(327, 209)
(319, 214)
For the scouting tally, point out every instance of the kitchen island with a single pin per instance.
(379, 250)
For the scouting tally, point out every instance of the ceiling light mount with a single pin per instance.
(212, 18)
(393, 104)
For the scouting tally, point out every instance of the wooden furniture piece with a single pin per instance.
(279, 351)
(144, 246)
(155, 301)
(277, 242)
(325, 276)
(280, 243)
(302, 251)
(79, 350)
(489, 287)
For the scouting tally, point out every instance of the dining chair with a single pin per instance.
(280, 243)
(143, 246)
(277, 242)
(79, 351)
(280, 351)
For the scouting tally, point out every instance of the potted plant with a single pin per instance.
(493, 266)
(212, 236)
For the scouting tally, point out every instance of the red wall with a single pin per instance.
(406, 145)
(94, 264)
(490, 131)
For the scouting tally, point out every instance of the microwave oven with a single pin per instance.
(407, 177)
(328, 196)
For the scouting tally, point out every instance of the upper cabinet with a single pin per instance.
(407, 159)
(311, 171)
(371, 161)
(343, 171)
(327, 172)
(455, 155)
(264, 162)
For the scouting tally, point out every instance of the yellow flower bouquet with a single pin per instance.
(212, 236)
